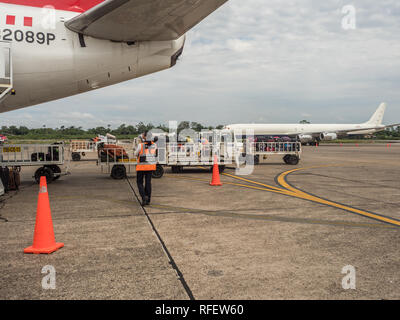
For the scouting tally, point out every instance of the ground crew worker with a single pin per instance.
(146, 154)
(142, 137)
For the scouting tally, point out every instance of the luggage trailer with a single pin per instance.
(118, 161)
(199, 154)
(48, 157)
(79, 148)
(203, 150)
(119, 166)
(289, 151)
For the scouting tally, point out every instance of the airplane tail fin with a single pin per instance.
(377, 117)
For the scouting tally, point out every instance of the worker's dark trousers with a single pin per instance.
(144, 191)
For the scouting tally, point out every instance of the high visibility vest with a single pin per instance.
(151, 162)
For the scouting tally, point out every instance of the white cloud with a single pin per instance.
(239, 45)
(75, 115)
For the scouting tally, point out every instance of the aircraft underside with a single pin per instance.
(76, 65)
(51, 53)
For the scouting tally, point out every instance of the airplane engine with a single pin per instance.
(306, 138)
(328, 136)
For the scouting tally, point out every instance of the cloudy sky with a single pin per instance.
(257, 61)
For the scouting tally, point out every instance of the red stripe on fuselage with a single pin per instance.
(66, 5)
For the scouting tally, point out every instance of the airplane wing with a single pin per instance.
(141, 20)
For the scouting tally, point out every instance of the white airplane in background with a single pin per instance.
(311, 133)
(50, 49)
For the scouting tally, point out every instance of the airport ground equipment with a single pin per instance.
(195, 154)
(289, 151)
(48, 157)
(43, 236)
(79, 148)
(198, 150)
(9, 179)
(215, 180)
(14, 180)
(195, 151)
(118, 160)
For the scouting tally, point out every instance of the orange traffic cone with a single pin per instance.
(215, 181)
(43, 238)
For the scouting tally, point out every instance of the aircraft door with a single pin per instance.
(6, 82)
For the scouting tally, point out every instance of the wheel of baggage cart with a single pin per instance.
(44, 171)
(57, 170)
(286, 158)
(294, 160)
(291, 159)
(159, 172)
(76, 156)
(118, 172)
(256, 160)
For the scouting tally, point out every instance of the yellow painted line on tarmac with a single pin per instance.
(281, 191)
(269, 186)
(289, 190)
(301, 194)
(255, 182)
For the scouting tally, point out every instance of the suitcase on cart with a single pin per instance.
(14, 180)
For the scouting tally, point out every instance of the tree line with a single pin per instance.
(72, 132)
(389, 133)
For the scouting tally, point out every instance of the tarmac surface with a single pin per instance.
(275, 234)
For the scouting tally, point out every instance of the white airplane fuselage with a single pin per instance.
(308, 133)
(298, 129)
(51, 62)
